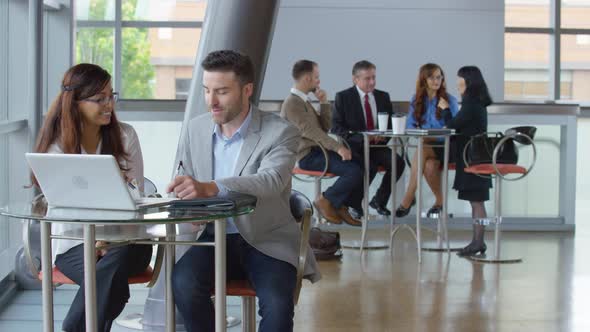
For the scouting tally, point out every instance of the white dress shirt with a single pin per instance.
(300, 94)
(371, 102)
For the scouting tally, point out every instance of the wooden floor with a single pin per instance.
(549, 291)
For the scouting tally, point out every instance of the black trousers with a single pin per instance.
(112, 289)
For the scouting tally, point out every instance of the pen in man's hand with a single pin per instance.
(179, 169)
(179, 172)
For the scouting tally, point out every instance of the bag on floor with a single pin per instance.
(325, 244)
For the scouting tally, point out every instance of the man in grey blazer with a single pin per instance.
(236, 147)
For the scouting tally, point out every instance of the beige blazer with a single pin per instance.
(313, 127)
(264, 170)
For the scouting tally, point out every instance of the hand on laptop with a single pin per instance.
(186, 187)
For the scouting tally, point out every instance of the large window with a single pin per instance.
(547, 50)
(149, 46)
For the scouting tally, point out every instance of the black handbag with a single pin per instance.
(481, 149)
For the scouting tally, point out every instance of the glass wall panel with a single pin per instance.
(526, 61)
(575, 67)
(527, 13)
(95, 10)
(95, 45)
(164, 10)
(575, 14)
(156, 60)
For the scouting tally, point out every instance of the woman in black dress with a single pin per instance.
(472, 119)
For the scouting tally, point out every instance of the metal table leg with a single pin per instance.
(47, 282)
(443, 220)
(419, 198)
(90, 277)
(393, 229)
(169, 259)
(364, 244)
(220, 275)
(393, 195)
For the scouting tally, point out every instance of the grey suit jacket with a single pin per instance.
(263, 169)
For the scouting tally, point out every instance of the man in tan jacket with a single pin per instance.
(347, 191)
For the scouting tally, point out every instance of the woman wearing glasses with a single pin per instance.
(82, 120)
(425, 112)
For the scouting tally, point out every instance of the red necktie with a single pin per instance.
(369, 114)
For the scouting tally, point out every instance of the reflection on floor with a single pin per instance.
(549, 291)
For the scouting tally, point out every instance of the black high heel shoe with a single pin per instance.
(402, 211)
(434, 211)
(472, 249)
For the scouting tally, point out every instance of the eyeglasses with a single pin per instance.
(435, 78)
(106, 100)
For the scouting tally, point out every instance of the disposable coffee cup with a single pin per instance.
(398, 124)
(383, 120)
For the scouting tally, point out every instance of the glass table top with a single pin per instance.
(152, 215)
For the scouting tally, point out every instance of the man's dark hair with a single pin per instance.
(228, 60)
(301, 68)
(362, 65)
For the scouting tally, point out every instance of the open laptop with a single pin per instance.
(85, 181)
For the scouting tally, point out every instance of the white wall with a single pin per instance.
(397, 35)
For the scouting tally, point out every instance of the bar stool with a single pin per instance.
(499, 172)
(316, 177)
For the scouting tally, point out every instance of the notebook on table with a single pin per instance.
(430, 132)
(86, 181)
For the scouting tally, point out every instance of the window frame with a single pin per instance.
(118, 25)
(555, 32)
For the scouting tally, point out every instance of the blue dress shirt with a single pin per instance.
(225, 156)
(430, 120)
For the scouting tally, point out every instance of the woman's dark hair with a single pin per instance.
(475, 86)
(426, 71)
(63, 123)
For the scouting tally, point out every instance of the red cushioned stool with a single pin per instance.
(60, 279)
(500, 172)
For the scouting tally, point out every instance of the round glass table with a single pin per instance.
(141, 226)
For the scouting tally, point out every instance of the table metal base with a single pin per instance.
(133, 322)
(436, 246)
(370, 245)
(494, 259)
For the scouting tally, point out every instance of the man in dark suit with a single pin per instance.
(356, 109)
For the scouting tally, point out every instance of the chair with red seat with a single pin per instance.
(499, 172)
(316, 177)
(301, 209)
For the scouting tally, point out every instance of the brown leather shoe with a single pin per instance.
(345, 215)
(328, 211)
